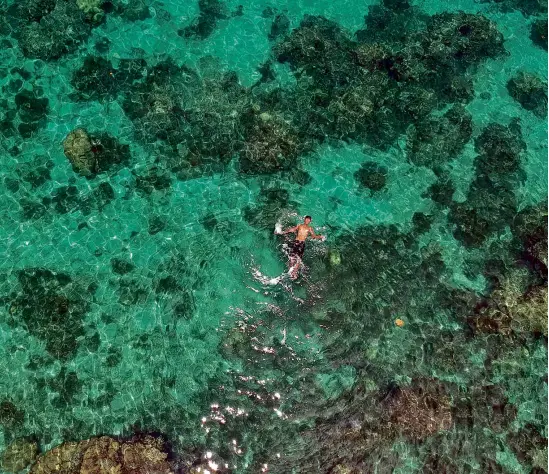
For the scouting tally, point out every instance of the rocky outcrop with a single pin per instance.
(78, 149)
(106, 455)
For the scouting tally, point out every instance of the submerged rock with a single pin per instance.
(92, 154)
(18, 455)
(105, 455)
(78, 149)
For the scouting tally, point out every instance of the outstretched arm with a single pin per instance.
(315, 236)
(288, 231)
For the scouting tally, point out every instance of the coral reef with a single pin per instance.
(372, 176)
(98, 79)
(154, 180)
(51, 308)
(32, 111)
(196, 119)
(319, 48)
(49, 31)
(133, 10)
(435, 140)
(530, 91)
(270, 203)
(529, 228)
(441, 192)
(420, 410)
(365, 421)
(105, 455)
(491, 203)
(538, 33)
(92, 9)
(66, 199)
(121, 266)
(489, 207)
(530, 447)
(369, 91)
(10, 415)
(211, 11)
(18, 455)
(279, 27)
(513, 307)
(391, 22)
(65, 384)
(36, 172)
(272, 144)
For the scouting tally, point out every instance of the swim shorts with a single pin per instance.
(298, 249)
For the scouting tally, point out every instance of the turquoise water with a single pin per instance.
(143, 289)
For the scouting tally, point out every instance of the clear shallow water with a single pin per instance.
(137, 306)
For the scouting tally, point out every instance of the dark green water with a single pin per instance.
(150, 148)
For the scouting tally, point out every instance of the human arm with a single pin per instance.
(316, 236)
(288, 231)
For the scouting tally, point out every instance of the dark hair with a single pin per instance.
(308, 217)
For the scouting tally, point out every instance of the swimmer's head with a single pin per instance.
(308, 220)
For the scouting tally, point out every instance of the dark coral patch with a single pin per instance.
(10, 415)
(435, 140)
(530, 91)
(99, 79)
(51, 32)
(538, 33)
(372, 176)
(499, 149)
(51, 309)
(121, 266)
(211, 11)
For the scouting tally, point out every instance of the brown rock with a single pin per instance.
(18, 455)
(78, 149)
(63, 459)
(145, 455)
(106, 455)
(103, 456)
